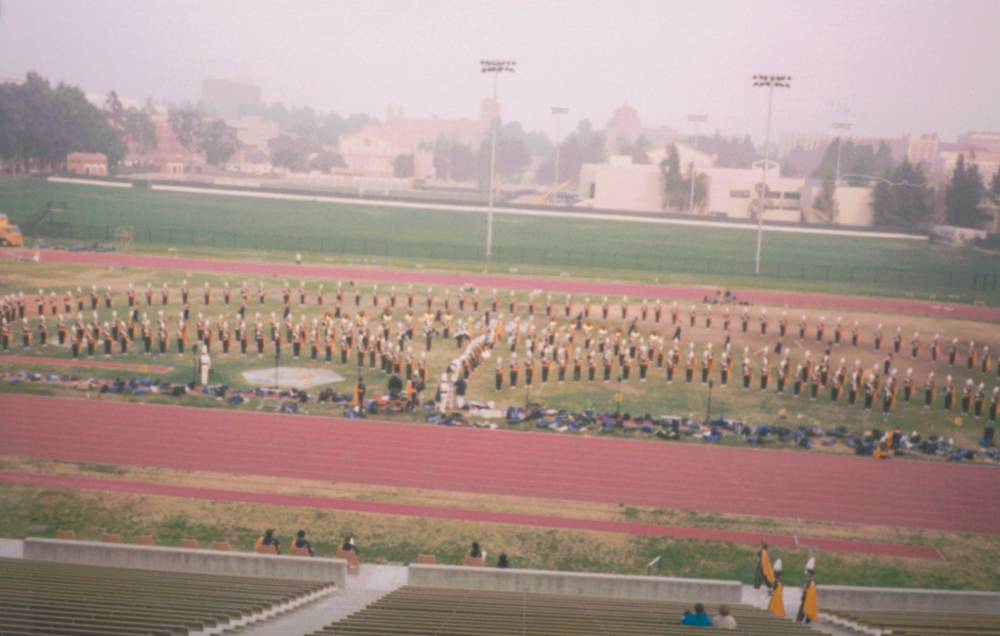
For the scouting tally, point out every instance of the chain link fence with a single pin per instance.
(945, 279)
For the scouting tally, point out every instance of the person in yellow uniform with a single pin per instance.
(764, 573)
(776, 605)
(809, 609)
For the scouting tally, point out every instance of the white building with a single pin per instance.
(854, 205)
(732, 193)
(621, 185)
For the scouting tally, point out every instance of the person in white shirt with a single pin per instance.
(724, 620)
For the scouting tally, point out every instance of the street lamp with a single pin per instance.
(771, 82)
(496, 67)
(557, 110)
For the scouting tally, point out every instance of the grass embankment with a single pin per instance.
(230, 226)
(970, 559)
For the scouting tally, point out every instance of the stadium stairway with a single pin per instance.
(759, 599)
(372, 583)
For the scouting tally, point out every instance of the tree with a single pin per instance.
(964, 195)
(402, 166)
(674, 183)
(462, 163)
(186, 125)
(218, 141)
(113, 106)
(42, 124)
(854, 160)
(583, 146)
(730, 152)
(139, 127)
(826, 201)
(289, 152)
(637, 150)
(903, 199)
(512, 155)
(442, 157)
(325, 161)
(994, 191)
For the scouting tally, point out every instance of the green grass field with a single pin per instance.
(655, 397)
(229, 226)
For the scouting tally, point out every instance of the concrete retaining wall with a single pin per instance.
(835, 597)
(574, 583)
(186, 560)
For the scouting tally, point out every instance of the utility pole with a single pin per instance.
(557, 110)
(496, 67)
(771, 82)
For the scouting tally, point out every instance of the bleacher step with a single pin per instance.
(313, 616)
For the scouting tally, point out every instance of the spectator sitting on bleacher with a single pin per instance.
(475, 552)
(724, 620)
(268, 539)
(697, 619)
(348, 545)
(503, 561)
(302, 542)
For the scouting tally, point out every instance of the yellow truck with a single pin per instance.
(10, 235)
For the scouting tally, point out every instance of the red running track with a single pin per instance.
(814, 486)
(478, 516)
(86, 364)
(578, 287)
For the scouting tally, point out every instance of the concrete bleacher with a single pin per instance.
(417, 611)
(909, 623)
(192, 560)
(848, 597)
(38, 597)
(576, 583)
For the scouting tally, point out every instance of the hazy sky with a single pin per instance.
(911, 65)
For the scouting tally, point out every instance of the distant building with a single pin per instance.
(255, 132)
(922, 150)
(230, 99)
(986, 141)
(623, 127)
(169, 157)
(733, 191)
(94, 164)
(621, 185)
(373, 150)
(988, 162)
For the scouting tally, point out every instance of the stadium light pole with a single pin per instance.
(496, 67)
(771, 82)
(557, 110)
(696, 120)
(840, 125)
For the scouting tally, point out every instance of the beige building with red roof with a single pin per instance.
(372, 150)
(94, 164)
